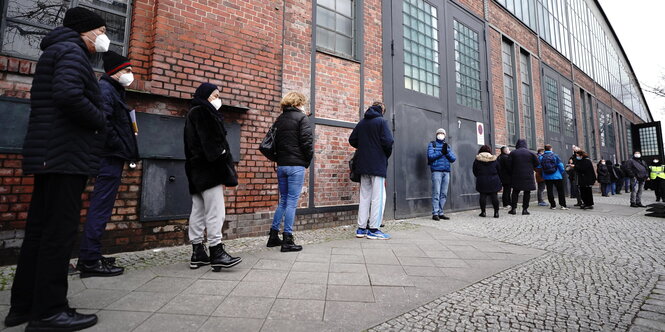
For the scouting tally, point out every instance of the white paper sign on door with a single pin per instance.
(480, 133)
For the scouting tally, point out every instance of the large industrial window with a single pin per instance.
(629, 138)
(648, 141)
(510, 103)
(587, 120)
(579, 32)
(568, 116)
(609, 122)
(421, 47)
(553, 27)
(552, 105)
(26, 22)
(601, 127)
(335, 26)
(525, 10)
(467, 66)
(527, 98)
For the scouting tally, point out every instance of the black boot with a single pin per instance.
(199, 256)
(98, 268)
(273, 240)
(482, 213)
(496, 213)
(288, 244)
(16, 318)
(68, 320)
(512, 211)
(219, 258)
(525, 212)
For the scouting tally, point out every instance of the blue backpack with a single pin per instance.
(549, 164)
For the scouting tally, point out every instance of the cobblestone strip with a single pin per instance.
(170, 255)
(651, 316)
(551, 292)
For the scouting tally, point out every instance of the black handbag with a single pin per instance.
(229, 173)
(268, 147)
(355, 177)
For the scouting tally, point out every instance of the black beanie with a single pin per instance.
(114, 62)
(81, 20)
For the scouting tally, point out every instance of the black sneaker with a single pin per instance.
(640, 205)
(16, 318)
(525, 213)
(443, 217)
(634, 205)
(435, 217)
(588, 207)
(512, 211)
(98, 268)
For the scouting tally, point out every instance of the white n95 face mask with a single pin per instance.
(102, 43)
(217, 103)
(126, 79)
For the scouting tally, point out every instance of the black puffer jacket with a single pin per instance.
(374, 141)
(584, 172)
(603, 174)
(295, 142)
(636, 168)
(120, 138)
(66, 128)
(487, 169)
(205, 145)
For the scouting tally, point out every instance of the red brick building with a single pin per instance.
(455, 64)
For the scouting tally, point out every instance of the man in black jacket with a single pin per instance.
(638, 172)
(120, 147)
(65, 133)
(374, 142)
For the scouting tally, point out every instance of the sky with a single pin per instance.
(639, 24)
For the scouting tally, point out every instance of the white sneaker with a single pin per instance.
(564, 208)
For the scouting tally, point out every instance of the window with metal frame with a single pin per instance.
(525, 10)
(510, 102)
(648, 141)
(527, 98)
(335, 26)
(421, 47)
(553, 24)
(601, 127)
(568, 116)
(467, 66)
(609, 122)
(26, 22)
(552, 104)
(629, 139)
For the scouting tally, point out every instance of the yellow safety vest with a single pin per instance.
(657, 172)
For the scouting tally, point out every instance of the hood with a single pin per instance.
(485, 157)
(373, 112)
(546, 152)
(521, 143)
(62, 34)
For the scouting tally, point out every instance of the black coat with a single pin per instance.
(120, 138)
(205, 147)
(636, 168)
(374, 141)
(586, 176)
(612, 171)
(522, 163)
(504, 163)
(618, 171)
(486, 169)
(294, 139)
(66, 127)
(603, 174)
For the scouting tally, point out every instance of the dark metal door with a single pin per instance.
(560, 120)
(468, 115)
(427, 38)
(418, 107)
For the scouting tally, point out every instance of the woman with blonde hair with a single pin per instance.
(295, 149)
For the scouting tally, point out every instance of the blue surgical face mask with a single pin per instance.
(578, 158)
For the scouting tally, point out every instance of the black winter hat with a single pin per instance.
(81, 20)
(114, 62)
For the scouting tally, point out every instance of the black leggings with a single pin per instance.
(506, 196)
(483, 201)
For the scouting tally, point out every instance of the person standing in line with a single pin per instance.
(120, 147)
(61, 149)
(603, 176)
(295, 150)
(374, 141)
(620, 178)
(440, 156)
(612, 187)
(552, 168)
(486, 169)
(638, 171)
(504, 174)
(586, 177)
(657, 176)
(540, 181)
(574, 186)
(206, 150)
(522, 163)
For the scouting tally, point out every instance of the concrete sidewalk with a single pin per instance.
(344, 285)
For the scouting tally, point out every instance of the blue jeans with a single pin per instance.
(290, 179)
(440, 181)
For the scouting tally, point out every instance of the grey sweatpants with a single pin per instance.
(372, 201)
(208, 212)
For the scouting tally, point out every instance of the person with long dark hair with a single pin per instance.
(486, 169)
